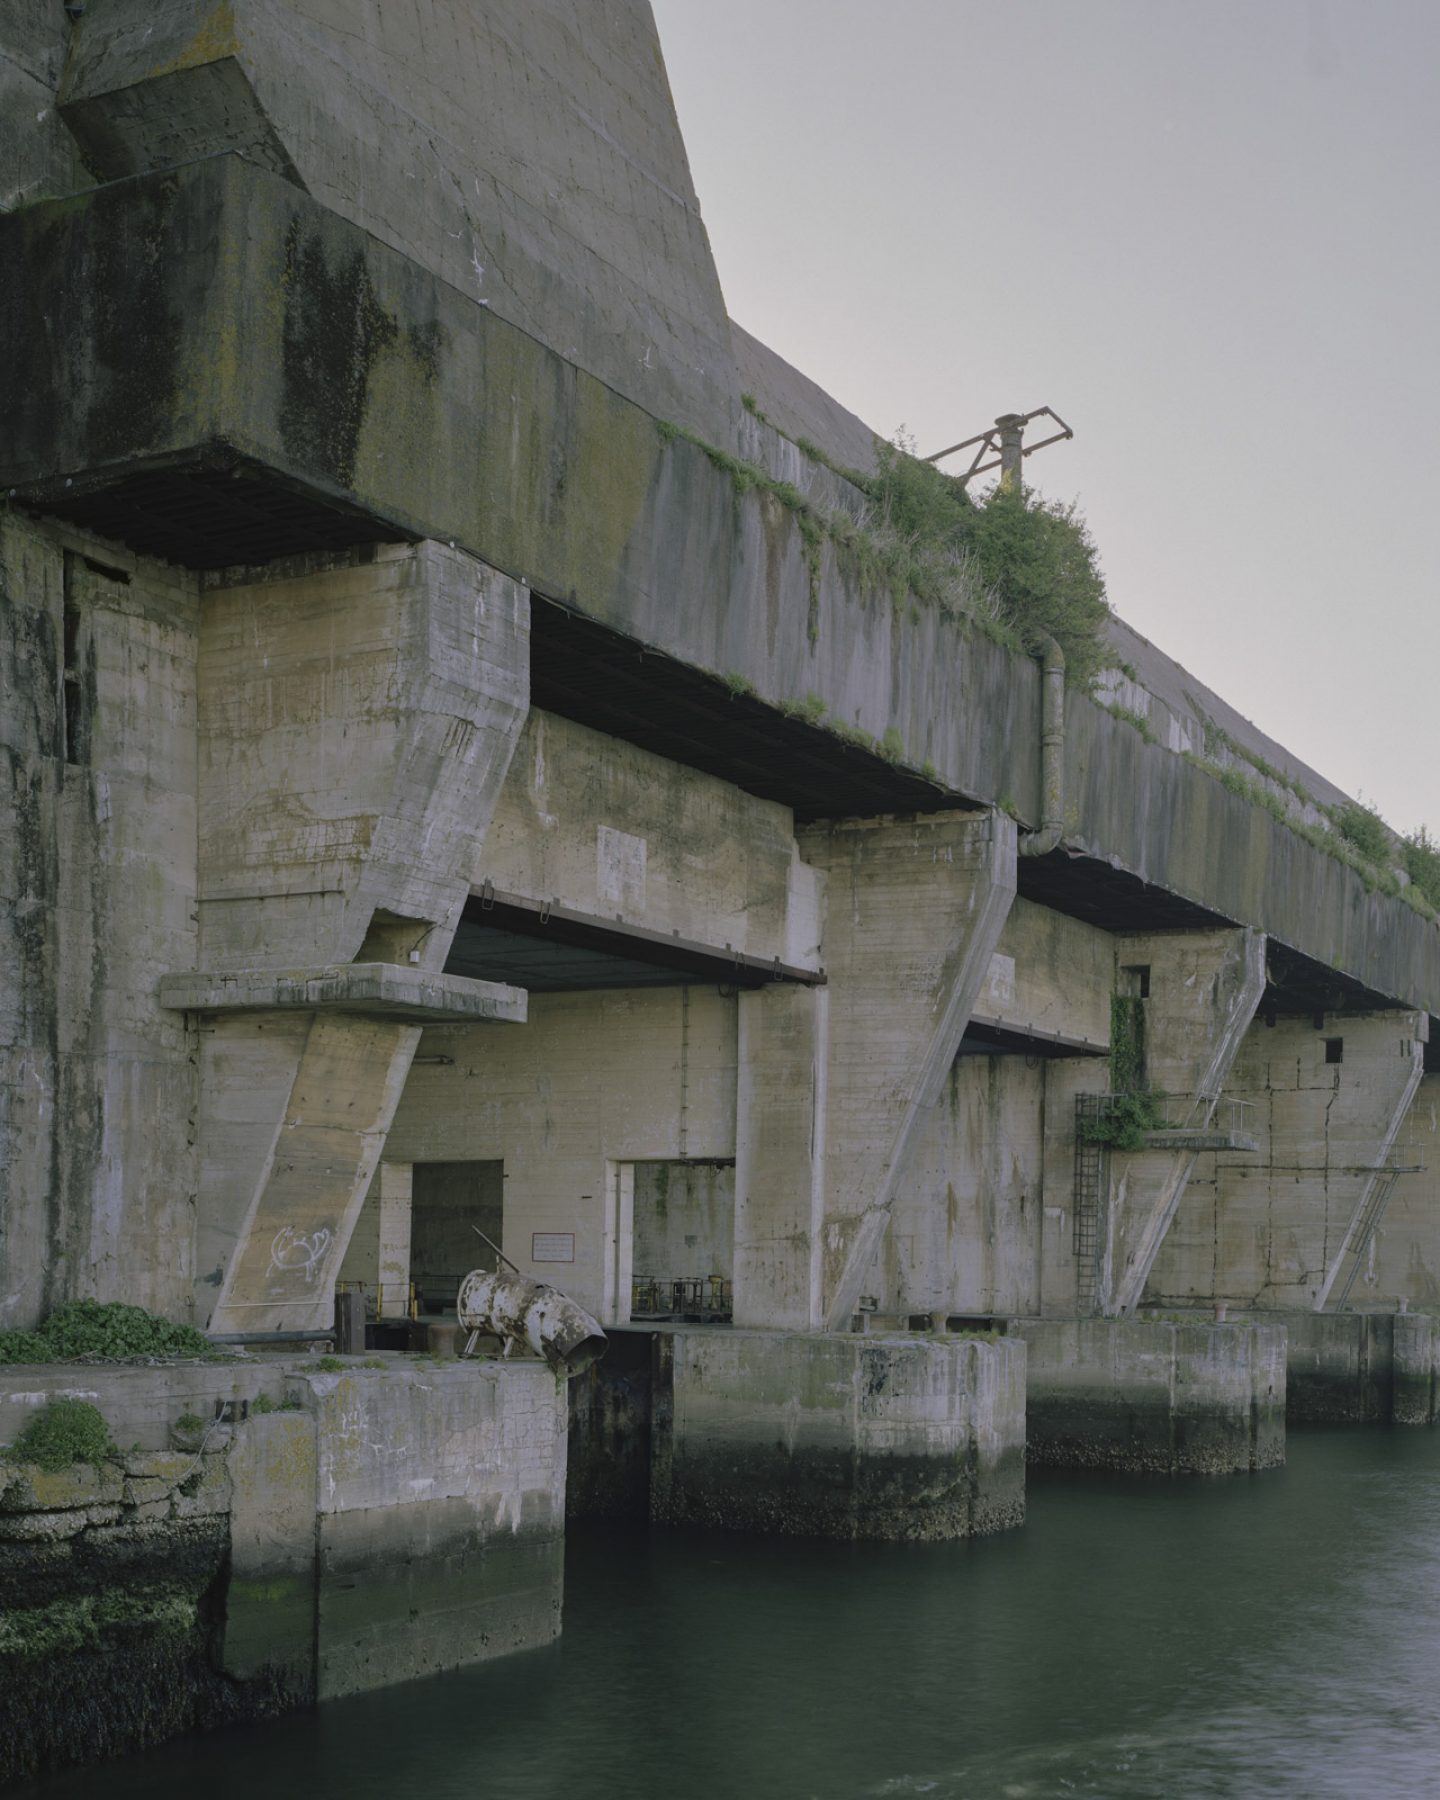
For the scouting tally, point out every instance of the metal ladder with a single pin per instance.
(1386, 1179)
(1092, 1175)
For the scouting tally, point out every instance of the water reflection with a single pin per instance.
(1273, 1635)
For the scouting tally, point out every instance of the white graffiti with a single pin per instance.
(290, 1252)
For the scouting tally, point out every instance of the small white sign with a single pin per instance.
(552, 1246)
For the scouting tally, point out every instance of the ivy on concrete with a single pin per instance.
(1132, 1109)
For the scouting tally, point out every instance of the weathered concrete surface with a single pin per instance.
(838, 1436)
(1154, 1397)
(575, 489)
(97, 900)
(965, 1232)
(525, 155)
(373, 1526)
(1360, 1368)
(356, 726)
(440, 1519)
(1204, 988)
(913, 913)
(1272, 1229)
(1049, 979)
(357, 723)
(608, 829)
(38, 154)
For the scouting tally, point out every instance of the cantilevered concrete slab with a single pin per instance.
(368, 990)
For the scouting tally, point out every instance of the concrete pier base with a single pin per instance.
(1371, 1368)
(838, 1436)
(1153, 1396)
(277, 1535)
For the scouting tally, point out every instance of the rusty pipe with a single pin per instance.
(520, 1311)
(1052, 752)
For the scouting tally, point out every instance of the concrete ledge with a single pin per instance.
(1148, 1396)
(1200, 1140)
(369, 990)
(838, 1436)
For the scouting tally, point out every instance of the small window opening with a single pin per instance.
(1334, 1050)
(1136, 980)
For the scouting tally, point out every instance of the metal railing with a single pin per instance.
(697, 1299)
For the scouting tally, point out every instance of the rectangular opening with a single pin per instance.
(683, 1262)
(1334, 1050)
(450, 1202)
(1135, 980)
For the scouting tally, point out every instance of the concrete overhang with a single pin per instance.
(210, 366)
(390, 991)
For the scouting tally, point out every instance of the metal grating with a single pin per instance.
(1092, 1183)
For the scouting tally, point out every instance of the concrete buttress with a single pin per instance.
(914, 908)
(356, 724)
(1203, 989)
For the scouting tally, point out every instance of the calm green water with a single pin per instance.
(1270, 1635)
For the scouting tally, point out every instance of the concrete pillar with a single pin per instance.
(780, 1156)
(1201, 990)
(1281, 1227)
(356, 723)
(837, 1089)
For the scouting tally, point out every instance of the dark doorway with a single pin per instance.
(450, 1202)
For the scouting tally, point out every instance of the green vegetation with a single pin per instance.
(1137, 720)
(24, 1347)
(740, 686)
(1126, 1120)
(1132, 1108)
(62, 1433)
(1034, 558)
(111, 1332)
(189, 1423)
(1363, 827)
(330, 1365)
(1017, 567)
(262, 1403)
(1420, 856)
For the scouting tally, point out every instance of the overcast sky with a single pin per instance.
(1205, 233)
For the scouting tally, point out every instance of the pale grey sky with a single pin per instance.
(1205, 233)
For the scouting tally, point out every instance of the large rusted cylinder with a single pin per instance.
(521, 1311)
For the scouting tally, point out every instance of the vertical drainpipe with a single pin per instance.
(1011, 428)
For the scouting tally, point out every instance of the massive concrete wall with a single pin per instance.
(97, 900)
(526, 154)
(459, 426)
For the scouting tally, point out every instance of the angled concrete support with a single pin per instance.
(356, 724)
(914, 909)
(1348, 1257)
(1201, 992)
